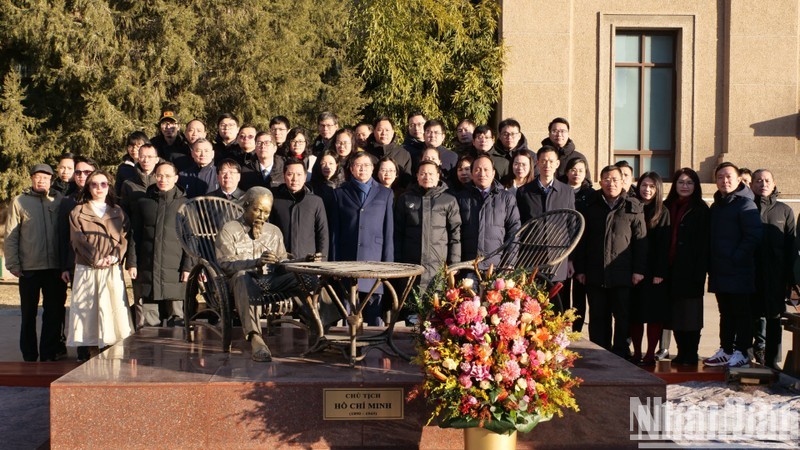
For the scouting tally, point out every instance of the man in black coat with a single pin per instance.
(489, 215)
(299, 214)
(170, 141)
(558, 137)
(382, 144)
(775, 259)
(610, 259)
(157, 265)
(229, 173)
(266, 169)
(201, 178)
(546, 194)
(135, 187)
(736, 232)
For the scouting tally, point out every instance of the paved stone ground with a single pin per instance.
(24, 412)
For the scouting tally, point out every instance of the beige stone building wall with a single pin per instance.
(736, 88)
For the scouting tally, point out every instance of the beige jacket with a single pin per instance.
(32, 233)
(236, 250)
(93, 238)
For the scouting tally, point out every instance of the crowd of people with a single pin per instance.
(366, 193)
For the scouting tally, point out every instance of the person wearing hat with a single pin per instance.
(31, 251)
(170, 141)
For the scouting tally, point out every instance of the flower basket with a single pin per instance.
(495, 354)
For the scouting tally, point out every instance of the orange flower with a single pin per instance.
(494, 297)
(515, 293)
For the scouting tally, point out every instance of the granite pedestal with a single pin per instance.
(156, 391)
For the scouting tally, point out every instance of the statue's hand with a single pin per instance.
(268, 258)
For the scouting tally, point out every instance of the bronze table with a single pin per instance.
(347, 274)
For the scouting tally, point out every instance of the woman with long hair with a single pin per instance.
(650, 296)
(574, 293)
(99, 233)
(299, 147)
(387, 174)
(523, 170)
(688, 262)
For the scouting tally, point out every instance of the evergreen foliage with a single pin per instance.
(80, 75)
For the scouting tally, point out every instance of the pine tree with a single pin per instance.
(18, 133)
(442, 58)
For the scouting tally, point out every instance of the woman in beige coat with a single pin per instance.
(99, 232)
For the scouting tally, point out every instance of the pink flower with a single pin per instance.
(519, 346)
(509, 313)
(507, 331)
(435, 355)
(465, 381)
(499, 284)
(531, 306)
(510, 371)
(479, 330)
(480, 372)
(466, 351)
(469, 311)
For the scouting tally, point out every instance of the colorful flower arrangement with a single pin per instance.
(497, 358)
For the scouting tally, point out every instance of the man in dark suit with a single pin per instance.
(363, 225)
(266, 169)
(544, 194)
(229, 174)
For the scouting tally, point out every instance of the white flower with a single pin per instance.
(522, 383)
(524, 359)
(498, 378)
(467, 283)
(449, 364)
(495, 319)
(526, 317)
(485, 384)
(509, 284)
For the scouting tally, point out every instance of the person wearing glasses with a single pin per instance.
(266, 169)
(434, 138)
(610, 260)
(170, 142)
(327, 124)
(299, 147)
(363, 225)
(558, 137)
(159, 268)
(279, 127)
(229, 173)
(243, 151)
(414, 137)
(99, 234)
(133, 188)
(83, 168)
(227, 131)
(509, 140)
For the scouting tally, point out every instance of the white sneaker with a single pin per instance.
(738, 360)
(720, 358)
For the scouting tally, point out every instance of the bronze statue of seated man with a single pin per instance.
(250, 251)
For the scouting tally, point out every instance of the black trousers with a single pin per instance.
(605, 303)
(53, 291)
(574, 296)
(767, 331)
(735, 322)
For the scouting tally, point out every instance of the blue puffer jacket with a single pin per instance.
(735, 233)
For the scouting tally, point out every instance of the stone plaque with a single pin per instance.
(362, 404)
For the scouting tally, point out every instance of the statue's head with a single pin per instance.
(257, 202)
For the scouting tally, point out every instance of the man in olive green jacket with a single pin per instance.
(31, 251)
